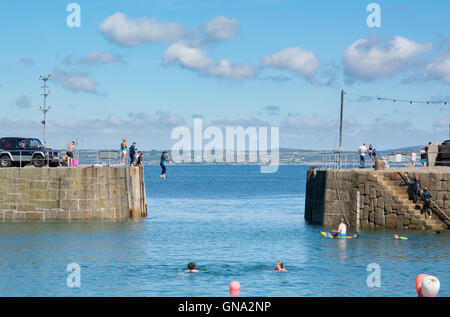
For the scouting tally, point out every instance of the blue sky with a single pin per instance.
(137, 69)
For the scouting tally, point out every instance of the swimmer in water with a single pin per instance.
(279, 267)
(396, 237)
(356, 235)
(191, 268)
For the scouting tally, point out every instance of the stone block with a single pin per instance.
(33, 216)
(400, 222)
(379, 217)
(391, 221)
(62, 215)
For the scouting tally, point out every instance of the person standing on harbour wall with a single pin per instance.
(423, 157)
(362, 155)
(132, 151)
(70, 153)
(123, 149)
(373, 154)
(413, 157)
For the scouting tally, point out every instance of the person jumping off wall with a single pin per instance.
(164, 157)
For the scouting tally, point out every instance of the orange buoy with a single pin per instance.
(235, 288)
(419, 279)
(235, 285)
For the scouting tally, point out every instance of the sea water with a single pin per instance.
(235, 223)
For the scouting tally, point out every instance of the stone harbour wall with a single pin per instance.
(385, 200)
(71, 193)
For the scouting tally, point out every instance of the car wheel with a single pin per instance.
(38, 161)
(5, 161)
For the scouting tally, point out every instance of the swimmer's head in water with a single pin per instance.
(395, 236)
(279, 265)
(191, 266)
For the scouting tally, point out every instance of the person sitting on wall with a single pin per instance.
(139, 158)
(63, 160)
(341, 230)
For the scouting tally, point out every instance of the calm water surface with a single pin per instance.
(235, 223)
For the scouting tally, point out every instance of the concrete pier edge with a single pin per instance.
(83, 193)
(384, 200)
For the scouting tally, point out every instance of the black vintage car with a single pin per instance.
(23, 151)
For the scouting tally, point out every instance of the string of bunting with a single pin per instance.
(397, 100)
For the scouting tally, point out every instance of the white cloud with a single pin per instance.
(148, 130)
(439, 68)
(321, 132)
(126, 31)
(77, 82)
(190, 57)
(93, 58)
(195, 59)
(295, 59)
(220, 28)
(372, 58)
(224, 68)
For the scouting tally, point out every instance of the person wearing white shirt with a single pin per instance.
(362, 155)
(413, 157)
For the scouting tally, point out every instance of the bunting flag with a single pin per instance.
(395, 100)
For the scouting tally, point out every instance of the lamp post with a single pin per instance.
(340, 129)
(45, 109)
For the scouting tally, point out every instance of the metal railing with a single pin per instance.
(353, 160)
(106, 157)
(56, 158)
(324, 159)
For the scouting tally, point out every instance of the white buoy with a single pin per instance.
(430, 286)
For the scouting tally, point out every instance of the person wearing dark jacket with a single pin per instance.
(132, 153)
(426, 198)
(139, 158)
(416, 188)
